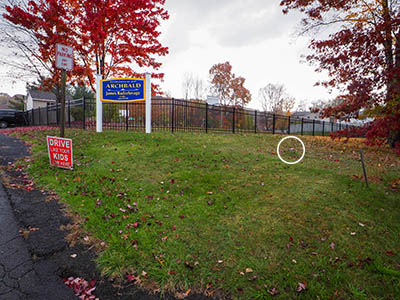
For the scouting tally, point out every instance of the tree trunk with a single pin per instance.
(394, 138)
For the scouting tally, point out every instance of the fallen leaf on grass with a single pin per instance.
(332, 245)
(252, 278)
(390, 253)
(134, 278)
(301, 286)
(183, 295)
(273, 292)
(248, 270)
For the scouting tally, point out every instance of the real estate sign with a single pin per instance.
(60, 152)
(64, 57)
(122, 90)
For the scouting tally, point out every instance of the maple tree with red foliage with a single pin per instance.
(112, 38)
(43, 24)
(227, 86)
(362, 58)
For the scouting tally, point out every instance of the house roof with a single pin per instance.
(302, 114)
(43, 95)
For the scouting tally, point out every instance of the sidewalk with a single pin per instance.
(20, 277)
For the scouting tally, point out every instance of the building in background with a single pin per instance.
(38, 98)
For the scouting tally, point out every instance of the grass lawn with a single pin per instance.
(220, 214)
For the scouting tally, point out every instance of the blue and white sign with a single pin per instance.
(122, 90)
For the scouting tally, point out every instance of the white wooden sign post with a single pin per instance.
(122, 90)
(99, 105)
(148, 103)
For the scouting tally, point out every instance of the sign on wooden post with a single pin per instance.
(123, 90)
(64, 61)
(64, 57)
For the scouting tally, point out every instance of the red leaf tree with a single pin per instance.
(110, 38)
(119, 38)
(32, 30)
(227, 86)
(362, 57)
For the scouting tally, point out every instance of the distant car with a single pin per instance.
(11, 117)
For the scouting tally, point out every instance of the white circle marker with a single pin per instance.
(294, 162)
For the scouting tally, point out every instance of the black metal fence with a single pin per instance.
(179, 115)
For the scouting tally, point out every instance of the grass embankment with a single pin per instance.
(221, 214)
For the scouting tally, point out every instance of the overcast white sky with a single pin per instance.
(253, 35)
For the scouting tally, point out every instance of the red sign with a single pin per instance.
(60, 152)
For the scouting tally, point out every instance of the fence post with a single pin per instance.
(340, 126)
(255, 121)
(302, 122)
(313, 127)
(331, 127)
(84, 113)
(57, 117)
(266, 120)
(273, 124)
(126, 116)
(47, 114)
(33, 116)
(206, 117)
(173, 114)
(233, 120)
(69, 113)
(186, 121)
(288, 125)
(39, 117)
(323, 128)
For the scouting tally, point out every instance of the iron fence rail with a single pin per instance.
(178, 115)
